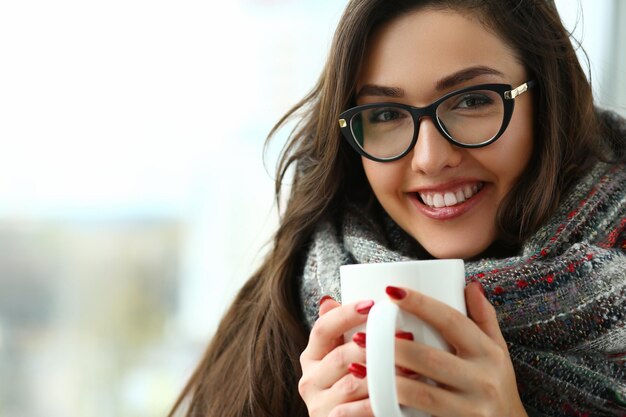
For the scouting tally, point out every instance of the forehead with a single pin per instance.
(421, 47)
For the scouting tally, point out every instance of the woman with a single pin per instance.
(530, 194)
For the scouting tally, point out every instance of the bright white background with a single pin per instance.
(131, 140)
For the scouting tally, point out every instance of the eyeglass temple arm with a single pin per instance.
(510, 95)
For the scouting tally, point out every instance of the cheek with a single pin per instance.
(513, 151)
(381, 177)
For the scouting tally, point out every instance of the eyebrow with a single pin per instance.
(441, 85)
(465, 75)
(380, 91)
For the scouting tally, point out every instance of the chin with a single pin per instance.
(441, 250)
(448, 254)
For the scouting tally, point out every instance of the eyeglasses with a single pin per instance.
(471, 117)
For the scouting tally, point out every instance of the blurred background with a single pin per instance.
(134, 194)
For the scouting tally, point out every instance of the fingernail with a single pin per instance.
(359, 339)
(395, 292)
(324, 298)
(357, 370)
(364, 307)
(404, 335)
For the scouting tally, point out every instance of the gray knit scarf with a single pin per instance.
(560, 301)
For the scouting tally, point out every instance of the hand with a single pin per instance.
(327, 387)
(476, 381)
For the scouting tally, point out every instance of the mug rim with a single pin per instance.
(402, 263)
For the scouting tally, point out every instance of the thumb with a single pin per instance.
(482, 312)
(327, 303)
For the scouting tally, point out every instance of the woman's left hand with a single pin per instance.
(477, 379)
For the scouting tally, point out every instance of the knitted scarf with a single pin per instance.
(560, 301)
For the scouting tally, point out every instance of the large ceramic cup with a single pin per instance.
(443, 280)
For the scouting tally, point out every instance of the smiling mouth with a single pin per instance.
(449, 198)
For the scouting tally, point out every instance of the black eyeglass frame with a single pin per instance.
(506, 92)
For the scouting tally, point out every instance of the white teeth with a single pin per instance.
(450, 198)
(438, 201)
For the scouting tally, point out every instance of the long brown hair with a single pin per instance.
(251, 367)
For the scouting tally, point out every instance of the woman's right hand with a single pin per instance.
(327, 386)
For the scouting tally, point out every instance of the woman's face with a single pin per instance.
(420, 57)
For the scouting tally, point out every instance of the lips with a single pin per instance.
(450, 197)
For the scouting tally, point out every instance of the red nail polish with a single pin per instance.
(404, 335)
(364, 307)
(359, 339)
(357, 370)
(324, 298)
(395, 292)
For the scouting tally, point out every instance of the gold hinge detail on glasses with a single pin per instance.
(342, 123)
(509, 95)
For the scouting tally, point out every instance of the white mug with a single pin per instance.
(441, 279)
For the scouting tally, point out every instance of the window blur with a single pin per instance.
(134, 197)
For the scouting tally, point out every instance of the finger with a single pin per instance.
(434, 400)
(482, 312)
(335, 365)
(438, 365)
(327, 303)
(327, 332)
(346, 390)
(362, 408)
(459, 331)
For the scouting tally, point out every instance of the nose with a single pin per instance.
(433, 153)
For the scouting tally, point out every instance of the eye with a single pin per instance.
(472, 100)
(385, 114)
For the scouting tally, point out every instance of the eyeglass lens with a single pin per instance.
(470, 118)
